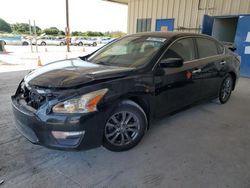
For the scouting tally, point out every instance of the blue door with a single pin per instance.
(164, 25)
(207, 25)
(242, 41)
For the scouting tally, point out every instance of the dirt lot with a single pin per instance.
(206, 146)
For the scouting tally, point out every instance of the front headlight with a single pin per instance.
(83, 104)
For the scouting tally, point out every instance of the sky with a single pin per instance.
(84, 15)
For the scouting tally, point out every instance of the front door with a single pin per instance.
(177, 87)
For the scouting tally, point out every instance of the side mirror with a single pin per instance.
(232, 48)
(171, 63)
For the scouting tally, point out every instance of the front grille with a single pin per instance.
(31, 97)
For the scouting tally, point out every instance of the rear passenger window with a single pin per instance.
(206, 47)
(183, 49)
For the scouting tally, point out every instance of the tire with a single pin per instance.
(94, 44)
(226, 89)
(61, 44)
(25, 43)
(125, 127)
(80, 44)
(43, 43)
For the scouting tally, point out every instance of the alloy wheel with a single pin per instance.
(122, 128)
(226, 89)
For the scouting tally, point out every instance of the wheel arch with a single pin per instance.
(144, 104)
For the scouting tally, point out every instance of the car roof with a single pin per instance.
(167, 34)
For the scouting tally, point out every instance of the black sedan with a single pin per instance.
(111, 96)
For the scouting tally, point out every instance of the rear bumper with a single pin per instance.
(83, 131)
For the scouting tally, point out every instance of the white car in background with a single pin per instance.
(85, 41)
(43, 41)
(15, 41)
(107, 40)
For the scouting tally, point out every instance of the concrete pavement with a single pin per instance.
(205, 146)
(21, 57)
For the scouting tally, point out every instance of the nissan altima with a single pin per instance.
(112, 96)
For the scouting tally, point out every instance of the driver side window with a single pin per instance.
(184, 49)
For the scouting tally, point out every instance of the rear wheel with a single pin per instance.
(61, 43)
(226, 89)
(80, 44)
(125, 127)
(43, 43)
(94, 44)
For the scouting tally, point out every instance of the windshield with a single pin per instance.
(128, 52)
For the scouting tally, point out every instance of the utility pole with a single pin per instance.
(67, 26)
(31, 47)
(35, 36)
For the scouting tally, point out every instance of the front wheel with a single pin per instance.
(226, 89)
(125, 127)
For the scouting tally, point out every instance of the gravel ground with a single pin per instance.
(205, 146)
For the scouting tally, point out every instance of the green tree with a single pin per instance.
(61, 33)
(115, 34)
(4, 26)
(51, 31)
(20, 28)
(94, 34)
(23, 28)
(78, 33)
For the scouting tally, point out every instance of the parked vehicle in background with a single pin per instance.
(86, 41)
(112, 96)
(45, 40)
(15, 40)
(107, 40)
(73, 41)
(98, 39)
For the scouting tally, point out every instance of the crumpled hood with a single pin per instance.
(72, 73)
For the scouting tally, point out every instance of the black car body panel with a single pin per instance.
(72, 73)
(158, 91)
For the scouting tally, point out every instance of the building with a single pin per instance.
(184, 15)
(226, 20)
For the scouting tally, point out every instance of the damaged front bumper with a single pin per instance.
(62, 131)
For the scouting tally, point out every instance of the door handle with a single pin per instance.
(196, 71)
(223, 62)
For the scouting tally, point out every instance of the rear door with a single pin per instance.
(212, 66)
(175, 87)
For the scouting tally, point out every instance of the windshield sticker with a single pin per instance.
(155, 39)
